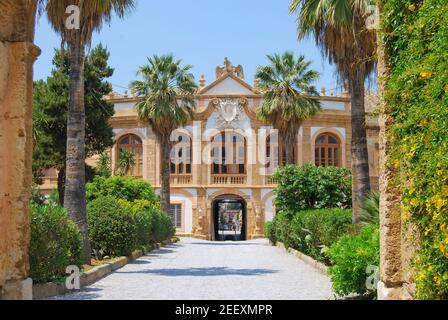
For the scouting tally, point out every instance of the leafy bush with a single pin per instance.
(112, 227)
(124, 188)
(55, 242)
(312, 187)
(350, 256)
(152, 224)
(311, 231)
(269, 231)
(417, 100)
(162, 226)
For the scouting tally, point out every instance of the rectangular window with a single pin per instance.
(176, 215)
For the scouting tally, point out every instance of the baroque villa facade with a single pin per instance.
(222, 164)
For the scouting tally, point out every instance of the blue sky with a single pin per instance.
(201, 33)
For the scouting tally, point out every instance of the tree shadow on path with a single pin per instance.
(205, 272)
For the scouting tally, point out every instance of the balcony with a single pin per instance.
(181, 179)
(270, 180)
(229, 179)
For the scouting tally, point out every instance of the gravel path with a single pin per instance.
(194, 270)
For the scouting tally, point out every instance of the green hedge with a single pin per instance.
(117, 227)
(311, 231)
(312, 187)
(162, 226)
(350, 256)
(152, 224)
(55, 243)
(417, 99)
(112, 228)
(123, 188)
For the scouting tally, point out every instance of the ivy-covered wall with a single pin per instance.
(417, 98)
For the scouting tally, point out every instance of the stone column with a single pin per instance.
(306, 146)
(394, 282)
(17, 55)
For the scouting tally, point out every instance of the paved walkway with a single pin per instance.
(194, 269)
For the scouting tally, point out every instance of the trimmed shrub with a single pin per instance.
(311, 187)
(350, 256)
(269, 232)
(55, 243)
(311, 231)
(112, 227)
(151, 223)
(162, 226)
(124, 188)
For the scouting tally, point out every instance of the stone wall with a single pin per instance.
(17, 55)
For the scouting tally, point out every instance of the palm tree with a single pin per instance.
(93, 14)
(166, 103)
(339, 29)
(126, 162)
(289, 98)
(104, 165)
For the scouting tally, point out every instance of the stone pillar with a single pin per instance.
(395, 280)
(17, 55)
(306, 146)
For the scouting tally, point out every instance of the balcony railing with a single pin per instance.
(229, 179)
(270, 181)
(181, 179)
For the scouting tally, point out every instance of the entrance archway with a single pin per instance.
(229, 218)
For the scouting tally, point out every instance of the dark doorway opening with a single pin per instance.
(229, 219)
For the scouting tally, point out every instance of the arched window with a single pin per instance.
(328, 150)
(229, 154)
(133, 144)
(276, 153)
(181, 155)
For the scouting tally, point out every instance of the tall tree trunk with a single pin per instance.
(61, 185)
(289, 140)
(75, 185)
(360, 155)
(165, 193)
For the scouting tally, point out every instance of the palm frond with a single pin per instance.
(166, 93)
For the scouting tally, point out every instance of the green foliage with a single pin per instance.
(417, 100)
(164, 79)
(162, 226)
(283, 83)
(153, 226)
(126, 162)
(310, 231)
(104, 165)
(370, 210)
(312, 187)
(50, 107)
(123, 188)
(55, 242)
(144, 221)
(112, 228)
(351, 256)
(269, 231)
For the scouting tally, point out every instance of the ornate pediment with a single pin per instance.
(229, 80)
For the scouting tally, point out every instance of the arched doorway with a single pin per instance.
(229, 218)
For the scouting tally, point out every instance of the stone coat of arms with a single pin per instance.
(229, 112)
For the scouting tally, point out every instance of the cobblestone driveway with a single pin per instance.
(195, 269)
